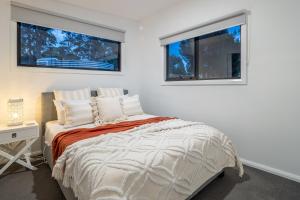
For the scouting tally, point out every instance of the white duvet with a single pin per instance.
(165, 160)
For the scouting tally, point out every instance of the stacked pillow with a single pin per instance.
(131, 105)
(77, 107)
(77, 112)
(112, 106)
(106, 107)
(81, 94)
(107, 110)
(110, 92)
(73, 107)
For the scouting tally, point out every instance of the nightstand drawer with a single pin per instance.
(17, 135)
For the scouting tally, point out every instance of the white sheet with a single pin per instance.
(53, 127)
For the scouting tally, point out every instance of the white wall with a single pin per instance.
(29, 84)
(262, 118)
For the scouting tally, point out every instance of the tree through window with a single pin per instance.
(54, 48)
(215, 55)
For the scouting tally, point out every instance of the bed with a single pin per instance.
(197, 165)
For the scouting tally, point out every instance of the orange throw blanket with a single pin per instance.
(64, 139)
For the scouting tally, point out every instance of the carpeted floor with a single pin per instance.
(38, 185)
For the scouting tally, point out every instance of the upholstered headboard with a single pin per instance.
(48, 108)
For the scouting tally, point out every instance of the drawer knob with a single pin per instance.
(13, 135)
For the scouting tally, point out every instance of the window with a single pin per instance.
(219, 54)
(212, 56)
(213, 53)
(181, 60)
(39, 46)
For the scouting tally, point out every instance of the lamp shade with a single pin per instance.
(15, 112)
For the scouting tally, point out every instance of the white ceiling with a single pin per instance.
(132, 9)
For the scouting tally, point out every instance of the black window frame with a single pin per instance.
(19, 64)
(196, 60)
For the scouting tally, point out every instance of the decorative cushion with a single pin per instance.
(131, 105)
(107, 110)
(77, 112)
(60, 95)
(110, 92)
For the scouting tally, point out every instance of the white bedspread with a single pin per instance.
(165, 160)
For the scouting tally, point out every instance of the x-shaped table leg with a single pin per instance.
(16, 159)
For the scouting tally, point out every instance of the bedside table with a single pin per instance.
(28, 132)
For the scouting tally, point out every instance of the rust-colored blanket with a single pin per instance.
(64, 139)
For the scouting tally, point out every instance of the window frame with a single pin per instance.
(19, 64)
(244, 63)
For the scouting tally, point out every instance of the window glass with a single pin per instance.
(54, 48)
(219, 54)
(212, 56)
(180, 61)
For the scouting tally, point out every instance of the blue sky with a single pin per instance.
(59, 35)
(174, 49)
(233, 32)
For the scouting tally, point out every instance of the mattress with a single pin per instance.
(53, 127)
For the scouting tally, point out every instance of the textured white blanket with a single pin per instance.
(165, 160)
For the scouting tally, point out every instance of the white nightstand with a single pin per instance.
(28, 132)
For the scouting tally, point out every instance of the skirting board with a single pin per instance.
(278, 172)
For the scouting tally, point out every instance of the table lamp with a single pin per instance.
(15, 112)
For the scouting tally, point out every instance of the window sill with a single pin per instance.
(205, 82)
(68, 71)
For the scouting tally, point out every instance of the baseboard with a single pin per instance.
(278, 172)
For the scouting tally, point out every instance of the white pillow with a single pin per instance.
(77, 112)
(60, 110)
(72, 94)
(107, 110)
(60, 95)
(131, 105)
(110, 92)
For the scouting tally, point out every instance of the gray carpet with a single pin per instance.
(38, 185)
